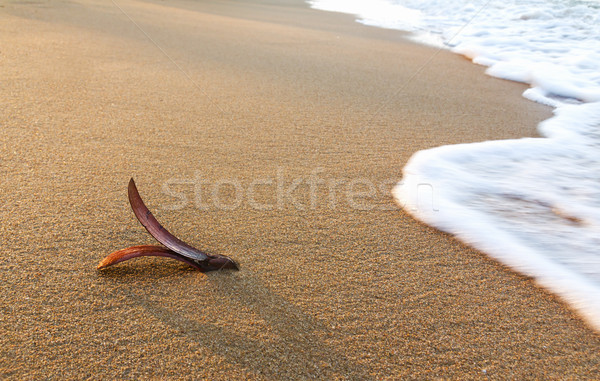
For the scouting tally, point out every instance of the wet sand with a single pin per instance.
(271, 133)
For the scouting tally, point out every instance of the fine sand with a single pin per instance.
(272, 133)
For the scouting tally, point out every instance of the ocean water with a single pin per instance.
(531, 203)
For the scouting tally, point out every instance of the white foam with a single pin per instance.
(381, 13)
(533, 204)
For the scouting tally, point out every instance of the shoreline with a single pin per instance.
(324, 292)
(424, 176)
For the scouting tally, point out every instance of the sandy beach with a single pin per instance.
(271, 133)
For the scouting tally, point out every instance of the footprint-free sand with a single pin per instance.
(271, 133)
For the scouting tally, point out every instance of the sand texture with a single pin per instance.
(271, 133)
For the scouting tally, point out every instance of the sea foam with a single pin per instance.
(532, 203)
